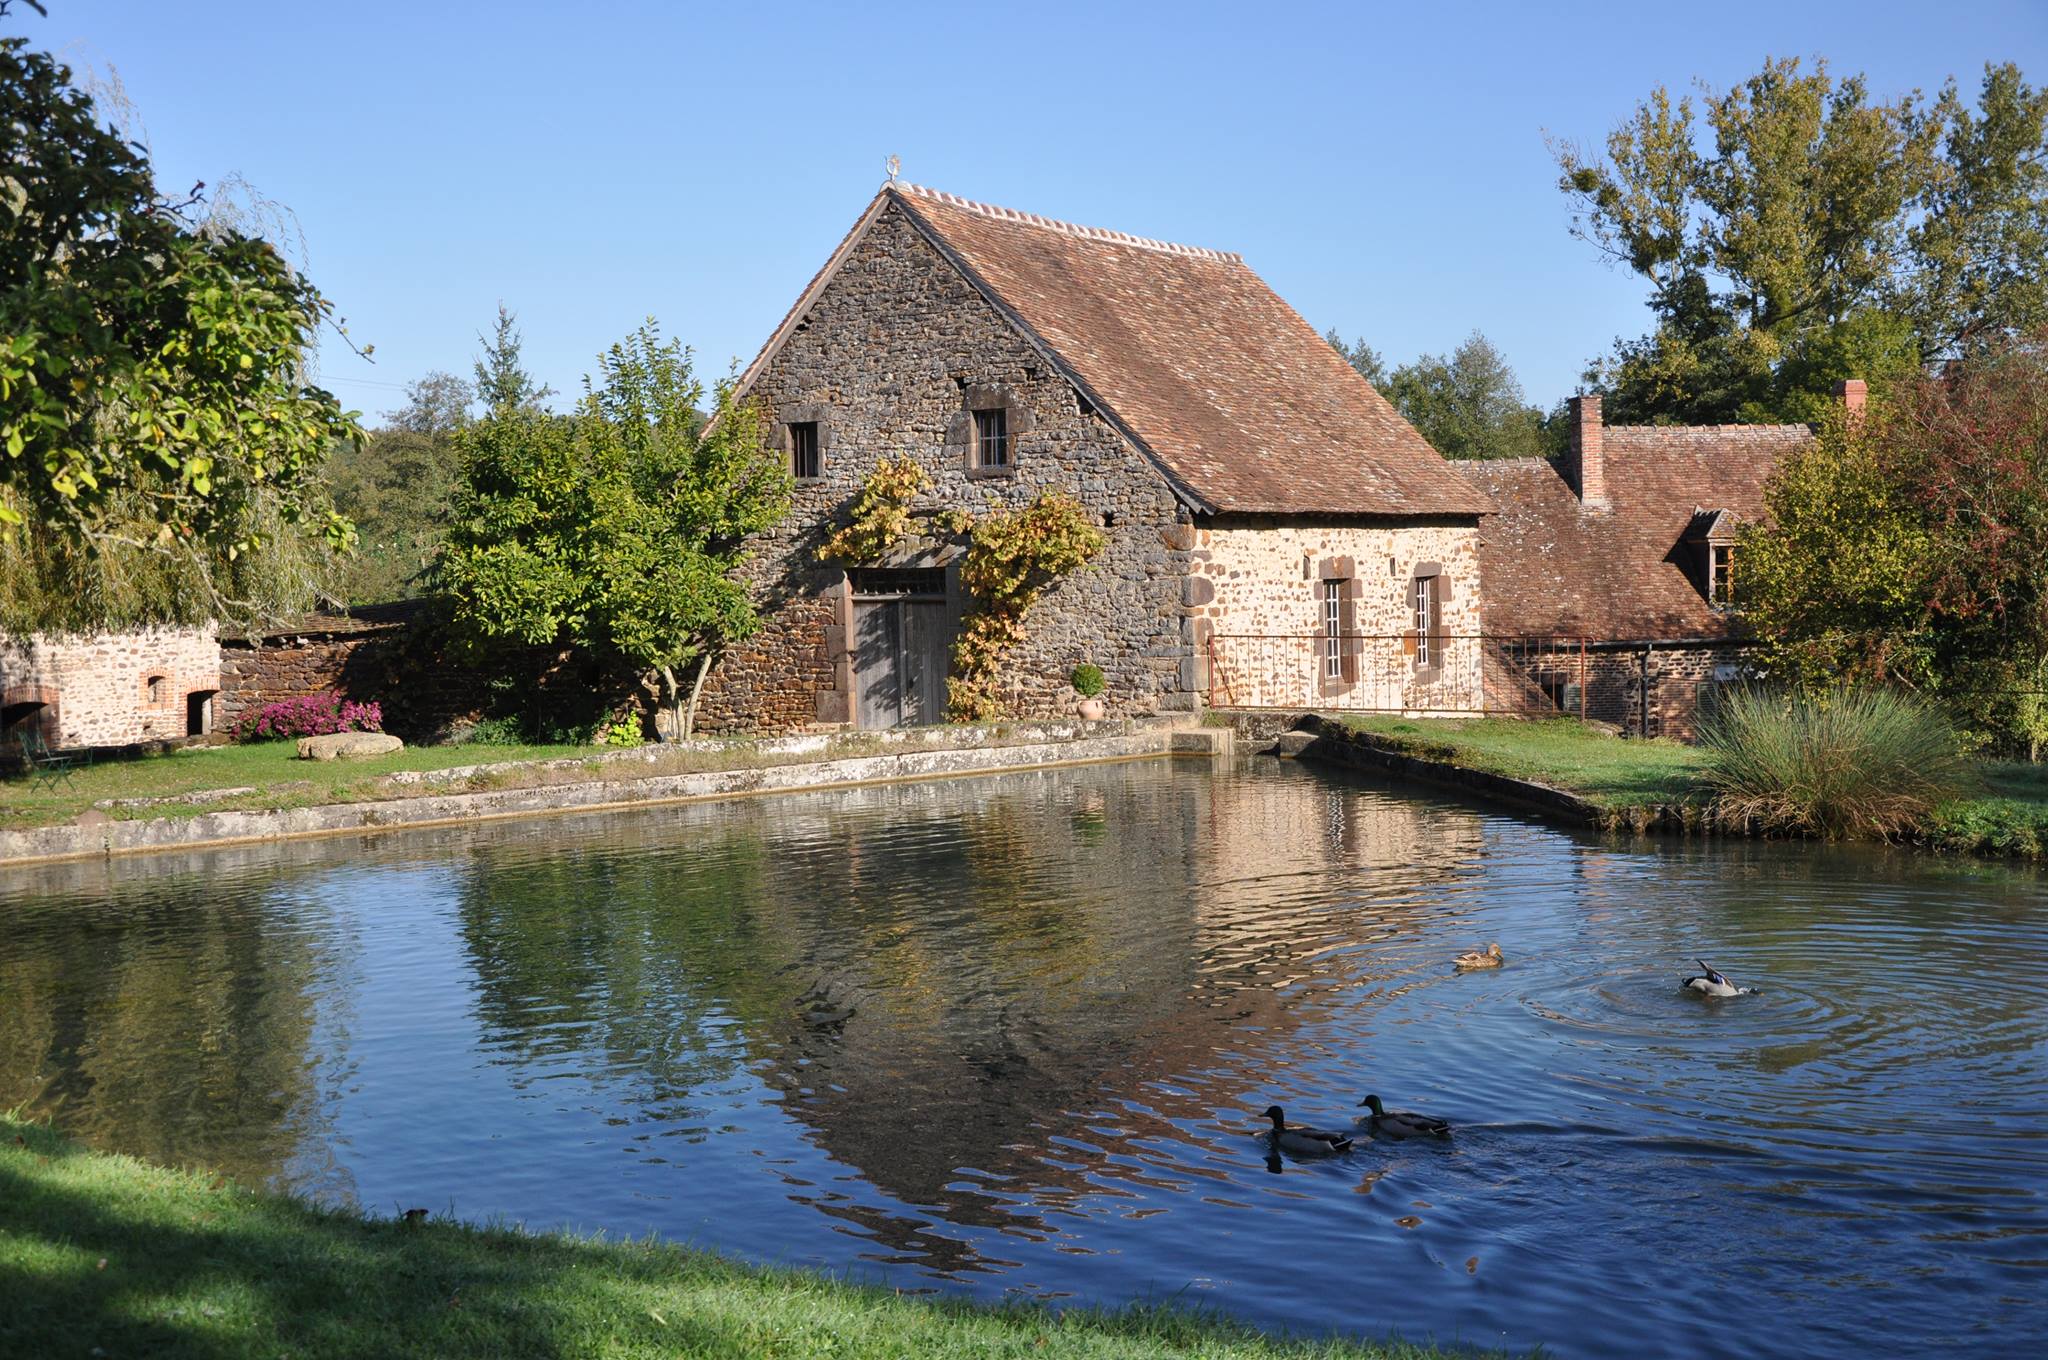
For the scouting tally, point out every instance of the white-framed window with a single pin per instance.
(1333, 630)
(1425, 618)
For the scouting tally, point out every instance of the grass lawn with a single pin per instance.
(271, 771)
(103, 1255)
(1562, 753)
(2008, 817)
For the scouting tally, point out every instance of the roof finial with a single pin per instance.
(894, 165)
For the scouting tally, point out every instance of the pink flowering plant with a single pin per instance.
(309, 715)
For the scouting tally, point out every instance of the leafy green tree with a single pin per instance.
(617, 528)
(397, 486)
(1908, 546)
(1468, 404)
(1794, 219)
(157, 425)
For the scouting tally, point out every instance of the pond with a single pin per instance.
(1010, 1036)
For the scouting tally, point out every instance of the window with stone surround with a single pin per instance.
(805, 463)
(992, 438)
(156, 689)
(1337, 644)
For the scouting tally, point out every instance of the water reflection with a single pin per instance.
(1013, 1034)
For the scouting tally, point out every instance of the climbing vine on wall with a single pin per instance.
(881, 513)
(1011, 558)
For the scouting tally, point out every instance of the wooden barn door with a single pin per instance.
(902, 641)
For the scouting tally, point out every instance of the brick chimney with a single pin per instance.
(1586, 461)
(1851, 392)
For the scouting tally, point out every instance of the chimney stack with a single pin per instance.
(1586, 463)
(1851, 393)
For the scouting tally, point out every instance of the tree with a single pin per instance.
(1908, 545)
(501, 376)
(1362, 357)
(617, 528)
(157, 426)
(1793, 217)
(1467, 405)
(396, 487)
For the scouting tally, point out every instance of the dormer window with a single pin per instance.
(992, 438)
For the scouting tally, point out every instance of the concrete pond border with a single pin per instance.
(838, 760)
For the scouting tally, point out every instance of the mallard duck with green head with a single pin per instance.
(1300, 1141)
(1403, 1123)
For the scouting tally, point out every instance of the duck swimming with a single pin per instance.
(1474, 959)
(1305, 1142)
(1403, 1123)
(1712, 983)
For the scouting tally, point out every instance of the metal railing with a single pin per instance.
(1441, 674)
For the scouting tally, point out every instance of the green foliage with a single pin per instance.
(625, 732)
(155, 416)
(397, 486)
(881, 512)
(1011, 558)
(502, 382)
(1841, 762)
(1907, 546)
(1087, 680)
(1794, 231)
(1468, 404)
(617, 528)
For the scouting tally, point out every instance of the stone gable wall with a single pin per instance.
(889, 361)
(95, 687)
(1255, 595)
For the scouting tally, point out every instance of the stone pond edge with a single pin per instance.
(1054, 745)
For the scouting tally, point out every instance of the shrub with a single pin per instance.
(309, 715)
(625, 732)
(1087, 680)
(495, 731)
(1841, 762)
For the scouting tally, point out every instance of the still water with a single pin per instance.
(1008, 1036)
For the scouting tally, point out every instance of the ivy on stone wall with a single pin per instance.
(1011, 558)
(881, 513)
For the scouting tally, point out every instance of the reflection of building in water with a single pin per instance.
(1290, 820)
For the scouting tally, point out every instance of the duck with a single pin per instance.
(1403, 1123)
(1474, 959)
(1304, 1142)
(1716, 984)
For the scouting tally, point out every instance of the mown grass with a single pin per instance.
(103, 1255)
(271, 769)
(1563, 753)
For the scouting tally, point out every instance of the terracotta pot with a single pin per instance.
(1089, 709)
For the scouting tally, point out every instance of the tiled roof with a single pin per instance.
(1548, 566)
(1189, 352)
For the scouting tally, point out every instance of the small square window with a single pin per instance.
(804, 463)
(992, 438)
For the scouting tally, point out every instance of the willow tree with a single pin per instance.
(158, 429)
(617, 528)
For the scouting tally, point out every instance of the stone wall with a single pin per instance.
(892, 359)
(1256, 598)
(1608, 682)
(110, 689)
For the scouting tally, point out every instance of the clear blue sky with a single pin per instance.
(1383, 166)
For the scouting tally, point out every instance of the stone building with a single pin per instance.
(1611, 575)
(109, 689)
(1277, 534)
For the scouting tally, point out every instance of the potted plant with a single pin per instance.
(1088, 683)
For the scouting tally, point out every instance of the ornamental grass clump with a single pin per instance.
(309, 715)
(1843, 762)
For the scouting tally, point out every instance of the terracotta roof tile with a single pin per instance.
(1550, 567)
(1205, 367)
